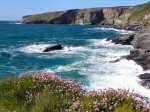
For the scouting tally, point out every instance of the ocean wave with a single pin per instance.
(99, 67)
(110, 49)
(35, 48)
(39, 48)
(14, 22)
(120, 75)
(18, 23)
(121, 31)
(100, 42)
(101, 72)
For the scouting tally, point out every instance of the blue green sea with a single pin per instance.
(86, 57)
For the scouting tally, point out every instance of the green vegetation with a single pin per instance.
(45, 17)
(42, 17)
(139, 12)
(36, 94)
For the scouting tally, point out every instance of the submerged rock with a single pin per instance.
(53, 48)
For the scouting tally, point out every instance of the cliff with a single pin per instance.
(119, 16)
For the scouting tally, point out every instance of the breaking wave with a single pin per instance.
(121, 31)
(104, 69)
(39, 48)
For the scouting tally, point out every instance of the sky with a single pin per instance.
(16, 9)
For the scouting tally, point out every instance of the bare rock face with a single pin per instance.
(124, 40)
(120, 16)
(141, 57)
(103, 16)
(143, 40)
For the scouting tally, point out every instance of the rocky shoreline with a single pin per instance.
(140, 40)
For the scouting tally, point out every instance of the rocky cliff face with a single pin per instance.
(119, 16)
(108, 16)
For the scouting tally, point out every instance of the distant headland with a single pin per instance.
(129, 17)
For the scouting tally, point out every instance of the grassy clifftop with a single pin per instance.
(45, 92)
(39, 18)
(140, 13)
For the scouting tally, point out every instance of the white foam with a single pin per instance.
(35, 48)
(121, 31)
(122, 75)
(102, 72)
(102, 42)
(18, 23)
(64, 68)
(110, 49)
(74, 49)
(39, 48)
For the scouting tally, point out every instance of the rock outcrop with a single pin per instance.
(128, 17)
(141, 53)
(145, 80)
(53, 48)
(124, 40)
(141, 43)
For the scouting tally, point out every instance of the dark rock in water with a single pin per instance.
(145, 76)
(140, 57)
(145, 80)
(53, 48)
(124, 40)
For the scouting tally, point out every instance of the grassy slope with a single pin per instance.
(46, 17)
(138, 13)
(36, 95)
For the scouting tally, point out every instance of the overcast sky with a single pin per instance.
(15, 9)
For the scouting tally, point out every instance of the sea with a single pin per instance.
(86, 58)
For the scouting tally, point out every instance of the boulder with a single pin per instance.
(145, 80)
(124, 40)
(145, 76)
(53, 48)
(140, 57)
